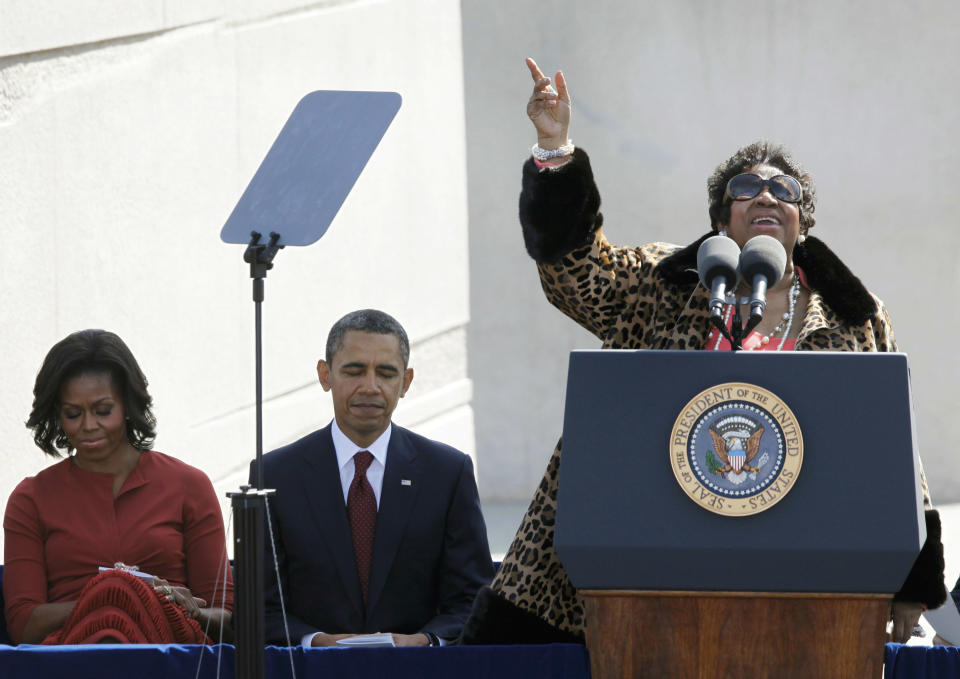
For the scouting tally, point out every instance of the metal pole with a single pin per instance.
(248, 613)
(249, 504)
(257, 300)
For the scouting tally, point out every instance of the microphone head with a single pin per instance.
(718, 256)
(763, 255)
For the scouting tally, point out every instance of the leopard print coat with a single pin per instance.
(641, 298)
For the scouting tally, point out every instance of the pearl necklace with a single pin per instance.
(787, 316)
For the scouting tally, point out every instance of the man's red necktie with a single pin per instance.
(362, 510)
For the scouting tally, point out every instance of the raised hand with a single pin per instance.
(549, 108)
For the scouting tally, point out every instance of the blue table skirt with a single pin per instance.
(921, 662)
(552, 661)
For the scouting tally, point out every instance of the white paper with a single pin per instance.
(140, 574)
(368, 640)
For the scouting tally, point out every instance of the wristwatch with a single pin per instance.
(433, 638)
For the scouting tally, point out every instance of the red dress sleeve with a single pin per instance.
(25, 568)
(204, 544)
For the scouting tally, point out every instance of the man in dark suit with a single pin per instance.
(377, 529)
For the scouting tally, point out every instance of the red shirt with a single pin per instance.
(63, 523)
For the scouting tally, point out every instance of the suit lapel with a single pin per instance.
(324, 496)
(401, 483)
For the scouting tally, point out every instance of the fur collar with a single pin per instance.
(825, 273)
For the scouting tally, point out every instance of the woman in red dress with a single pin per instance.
(112, 501)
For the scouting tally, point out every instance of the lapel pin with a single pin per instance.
(406, 482)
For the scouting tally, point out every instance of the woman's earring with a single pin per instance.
(802, 238)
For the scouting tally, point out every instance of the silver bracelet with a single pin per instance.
(545, 154)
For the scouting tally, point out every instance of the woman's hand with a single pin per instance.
(549, 108)
(214, 621)
(45, 619)
(181, 596)
(905, 614)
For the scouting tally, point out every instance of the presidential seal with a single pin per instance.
(736, 449)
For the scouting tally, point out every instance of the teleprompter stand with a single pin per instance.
(294, 195)
(249, 504)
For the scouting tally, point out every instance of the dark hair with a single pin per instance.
(90, 352)
(367, 320)
(760, 153)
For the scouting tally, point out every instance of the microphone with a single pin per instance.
(717, 260)
(762, 263)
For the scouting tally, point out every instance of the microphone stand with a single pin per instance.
(736, 342)
(249, 504)
(736, 337)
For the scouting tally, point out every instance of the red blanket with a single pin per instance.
(116, 607)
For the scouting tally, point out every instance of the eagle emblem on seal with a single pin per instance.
(736, 449)
(736, 441)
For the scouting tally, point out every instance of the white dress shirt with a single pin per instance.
(346, 449)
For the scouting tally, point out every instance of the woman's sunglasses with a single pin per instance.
(747, 186)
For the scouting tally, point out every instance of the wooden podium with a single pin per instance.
(709, 635)
(802, 589)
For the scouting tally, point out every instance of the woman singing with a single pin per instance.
(649, 297)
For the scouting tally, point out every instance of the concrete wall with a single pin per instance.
(129, 129)
(861, 91)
